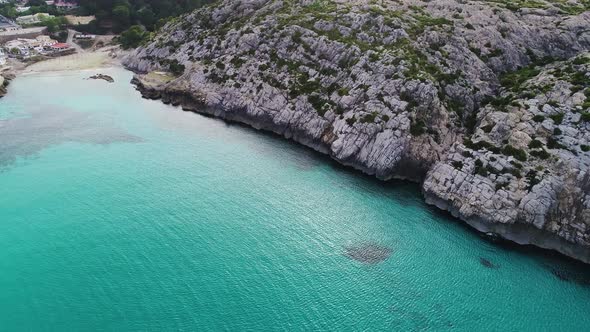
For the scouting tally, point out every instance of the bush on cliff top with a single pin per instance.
(132, 37)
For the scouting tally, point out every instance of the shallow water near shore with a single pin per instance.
(119, 213)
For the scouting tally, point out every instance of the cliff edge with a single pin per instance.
(486, 103)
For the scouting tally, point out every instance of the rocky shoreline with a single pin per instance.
(6, 77)
(486, 104)
(521, 234)
(518, 233)
(321, 143)
(4, 82)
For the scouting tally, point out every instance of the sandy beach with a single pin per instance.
(104, 57)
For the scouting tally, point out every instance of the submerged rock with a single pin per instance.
(368, 253)
(561, 275)
(487, 263)
(571, 273)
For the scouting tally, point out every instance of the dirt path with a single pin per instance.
(70, 41)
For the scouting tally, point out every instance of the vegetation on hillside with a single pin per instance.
(119, 15)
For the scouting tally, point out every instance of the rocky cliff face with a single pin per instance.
(483, 102)
(5, 79)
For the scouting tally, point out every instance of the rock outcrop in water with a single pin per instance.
(102, 77)
(486, 103)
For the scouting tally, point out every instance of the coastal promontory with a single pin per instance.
(485, 103)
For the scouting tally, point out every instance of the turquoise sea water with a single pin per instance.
(123, 214)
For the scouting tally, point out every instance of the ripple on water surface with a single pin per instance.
(205, 226)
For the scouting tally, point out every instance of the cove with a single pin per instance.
(119, 213)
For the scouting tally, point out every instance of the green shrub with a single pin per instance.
(481, 170)
(541, 154)
(519, 154)
(132, 37)
(296, 37)
(531, 177)
(516, 164)
(514, 171)
(237, 61)
(417, 128)
(318, 103)
(220, 65)
(552, 143)
(557, 118)
(481, 145)
(176, 67)
(457, 164)
(581, 60)
(343, 91)
(501, 185)
(487, 128)
(496, 52)
(535, 144)
(514, 80)
(263, 66)
(369, 118)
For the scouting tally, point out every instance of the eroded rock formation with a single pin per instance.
(483, 102)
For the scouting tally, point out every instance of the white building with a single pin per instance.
(26, 47)
(84, 37)
(17, 47)
(45, 40)
(33, 19)
(65, 4)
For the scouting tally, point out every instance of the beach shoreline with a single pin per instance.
(105, 57)
(101, 58)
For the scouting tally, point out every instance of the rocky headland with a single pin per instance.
(485, 103)
(4, 82)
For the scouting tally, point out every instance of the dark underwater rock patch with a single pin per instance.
(487, 263)
(368, 253)
(49, 127)
(579, 274)
(561, 274)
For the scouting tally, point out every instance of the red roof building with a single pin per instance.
(60, 46)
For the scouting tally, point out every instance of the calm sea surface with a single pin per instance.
(123, 214)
